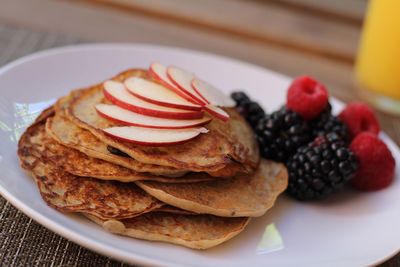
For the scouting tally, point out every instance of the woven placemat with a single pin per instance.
(23, 242)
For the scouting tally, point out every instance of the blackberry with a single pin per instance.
(254, 113)
(320, 168)
(250, 110)
(326, 123)
(242, 102)
(240, 98)
(280, 133)
(330, 124)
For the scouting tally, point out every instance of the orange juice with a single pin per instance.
(378, 61)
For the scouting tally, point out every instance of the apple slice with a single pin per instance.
(159, 73)
(157, 94)
(212, 94)
(123, 116)
(183, 79)
(118, 95)
(216, 112)
(153, 137)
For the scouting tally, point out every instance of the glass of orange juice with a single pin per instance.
(378, 61)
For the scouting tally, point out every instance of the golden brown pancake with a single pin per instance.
(104, 199)
(226, 145)
(79, 164)
(43, 116)
(92, 146)
(174, 210)
(68, 134)
(73, 161)
(177, 195)
(70, 193)
(240, 196)
(61, 129)
(193, 231)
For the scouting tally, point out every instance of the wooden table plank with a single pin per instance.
(263, 22)
(344, 10)
(100, 23)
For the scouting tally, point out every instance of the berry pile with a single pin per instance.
(322, 152)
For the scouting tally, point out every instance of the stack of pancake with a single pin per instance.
(197, 194)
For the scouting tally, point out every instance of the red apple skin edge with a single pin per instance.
(215, 114)
(164, 104)
(149, 144)
(198, 92)
(198, 99)
(155, 76)
(150, 126)
(185, 115)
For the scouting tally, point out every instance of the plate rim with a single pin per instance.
(94, 245)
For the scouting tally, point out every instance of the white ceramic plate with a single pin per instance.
(350, 229)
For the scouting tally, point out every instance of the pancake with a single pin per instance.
(226, 146)
(240, 196)
(174, 210)
(79, 164)
(193, 231)
(198, 194)
(63, 102)
(68, 134)
(73, 161)
(43, 116)
(93, 147)
(68, 193)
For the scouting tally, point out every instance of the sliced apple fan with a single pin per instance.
(164, 111)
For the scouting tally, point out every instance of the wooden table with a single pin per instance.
(294, 37)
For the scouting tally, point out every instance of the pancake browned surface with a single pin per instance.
(75, 162)
(43, 116)
(70, 135)
(226, 145)
(67, 133)
(78, 163)
(237, 197)
(193, 231)
(69, 193)
(75, 140)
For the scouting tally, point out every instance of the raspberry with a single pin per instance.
(376, 163)
(359, 118)
(307, 97)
